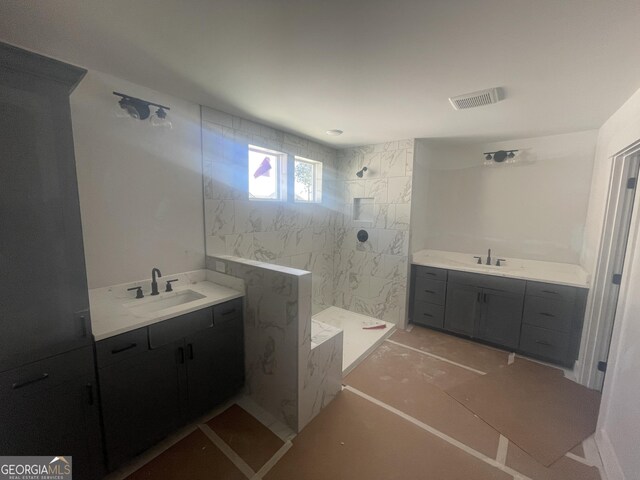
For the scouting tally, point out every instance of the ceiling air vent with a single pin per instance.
(475, 99)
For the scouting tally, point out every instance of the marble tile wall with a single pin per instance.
(371, 277)
(284, 233)
(273, 326)
(289, 373)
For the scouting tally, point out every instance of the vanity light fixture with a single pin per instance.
(140, 110)
(359, 173)
(499, 156)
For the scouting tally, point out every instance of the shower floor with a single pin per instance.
(357, 343)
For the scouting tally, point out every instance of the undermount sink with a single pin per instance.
(151, 305)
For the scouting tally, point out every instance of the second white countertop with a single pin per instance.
(111, 312)
(549, 272)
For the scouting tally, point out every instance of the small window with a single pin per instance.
(307, 180)
(266, 174)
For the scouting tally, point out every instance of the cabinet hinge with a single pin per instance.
(602, 366)
(632, 182)
(616, 279)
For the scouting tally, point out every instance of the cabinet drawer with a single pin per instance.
(40, 376)
(431, 272)
(550, 290)
(174, 329)
(227, 311)
(500, 284)
(548, 313)
(428, 290)
(549, 344)
(114, 349)
(428, 314)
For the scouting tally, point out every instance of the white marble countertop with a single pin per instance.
(549, 272)
(111, 312)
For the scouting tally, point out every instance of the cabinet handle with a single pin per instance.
(181, 355)
(190, 350)
(542, 342)
(89, 388)
(484, 298)
(229, 312)
(429, 291)
(124, 349)
(427, 315)
(430, 273)
(550, 291)
(545, 314)
(16, 386)
(479, 297)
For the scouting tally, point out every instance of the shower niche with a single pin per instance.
(363, 209)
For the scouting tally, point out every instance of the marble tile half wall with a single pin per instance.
(277, 329)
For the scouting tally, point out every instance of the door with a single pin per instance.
(51, 408)
(606, 285)
(141, 400)
(462, 308)
(500, 318)
(215, 364)
(44, 304)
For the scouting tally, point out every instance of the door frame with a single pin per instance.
(602, 309)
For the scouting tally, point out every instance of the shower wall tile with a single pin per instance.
(371, 277)
(273, 232)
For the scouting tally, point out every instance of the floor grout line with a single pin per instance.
(503, 447)
(441, 435)
(273, 460)
(437, 356)
(227, 450)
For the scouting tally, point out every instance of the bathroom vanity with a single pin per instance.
(164, 360)
(533, 308)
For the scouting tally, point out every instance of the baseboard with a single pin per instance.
(608, 455)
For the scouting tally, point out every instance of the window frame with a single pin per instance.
(316, 190)
(280, 171)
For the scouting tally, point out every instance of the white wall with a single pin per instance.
(619, 423)
(140, 186)
(533, 209)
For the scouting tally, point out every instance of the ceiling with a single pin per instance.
(378, 69)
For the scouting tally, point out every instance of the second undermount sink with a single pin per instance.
(151, 305)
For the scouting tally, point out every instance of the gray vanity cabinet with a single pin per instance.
(155, 379)
(429, 296)
(500, 318)
(140, 395)
(463, 308)
(538, 319)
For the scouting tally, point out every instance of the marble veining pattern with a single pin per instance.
(371, 277)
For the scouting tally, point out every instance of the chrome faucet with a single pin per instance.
(154, 282)
(488, 259)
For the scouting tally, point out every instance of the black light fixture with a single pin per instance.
(140, 110)
(361, 172)
(499, 156)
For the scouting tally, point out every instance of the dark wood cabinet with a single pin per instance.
(51, 407)
(45, 303)
(48, 395)
(155, 379)
(501, 318)
(462, 308)
(537, 319)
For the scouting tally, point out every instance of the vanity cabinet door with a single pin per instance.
(501, 318)
(141, 400)
(215, 364)
(462, 308)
